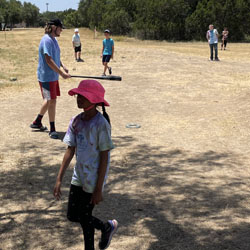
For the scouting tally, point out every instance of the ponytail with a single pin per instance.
(105, 113)
(48, 29)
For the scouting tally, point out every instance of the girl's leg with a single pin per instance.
(88, 222)
(80, 210)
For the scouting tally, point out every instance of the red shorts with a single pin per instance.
(50, 90)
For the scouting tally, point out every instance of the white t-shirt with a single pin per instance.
(89, 138)
(76, 40)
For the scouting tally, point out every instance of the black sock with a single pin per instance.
(52, 127)
(39, 119)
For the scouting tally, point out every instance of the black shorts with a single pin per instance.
(106, 58)
(79, 204)
(78, 49)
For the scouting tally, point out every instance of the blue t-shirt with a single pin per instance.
(49, 46)
(108, 44)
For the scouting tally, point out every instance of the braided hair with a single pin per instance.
(104, 113)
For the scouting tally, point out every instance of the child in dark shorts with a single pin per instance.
(108, 50)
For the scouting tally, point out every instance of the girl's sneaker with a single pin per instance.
(108, 234)
(110, 70)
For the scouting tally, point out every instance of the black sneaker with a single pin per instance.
(108, 234)
(217, 59)
(38, 126)
(110, 70)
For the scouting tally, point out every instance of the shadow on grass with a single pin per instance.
(170, 194)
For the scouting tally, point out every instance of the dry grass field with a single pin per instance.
(180, 182)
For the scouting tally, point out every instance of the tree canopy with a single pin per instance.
(146, 19)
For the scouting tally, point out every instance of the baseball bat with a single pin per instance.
(110, 78)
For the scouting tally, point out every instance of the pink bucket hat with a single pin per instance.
(92, 90)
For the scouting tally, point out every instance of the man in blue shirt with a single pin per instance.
(212, 38)
(48, 72)
(107, 52)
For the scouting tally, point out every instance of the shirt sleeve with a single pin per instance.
(104, 137)
(70, 137)
(112, 43)
(47, 48)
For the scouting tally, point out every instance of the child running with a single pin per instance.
(89, 137)
(108, 50)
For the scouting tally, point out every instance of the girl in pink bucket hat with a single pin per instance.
(89, 137)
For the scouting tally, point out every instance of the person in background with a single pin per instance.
(108, 50)
(225, 34)
(48, 72)
(77, 46)
(212, 38)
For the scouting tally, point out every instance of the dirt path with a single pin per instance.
(181, 181)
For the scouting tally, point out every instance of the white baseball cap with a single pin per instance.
(76, 30)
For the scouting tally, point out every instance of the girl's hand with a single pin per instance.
(57, 190)
(96, 197)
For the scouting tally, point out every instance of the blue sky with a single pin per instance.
(54, 5)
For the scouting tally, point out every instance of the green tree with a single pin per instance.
(163, 20)
(4, 12)
(233, 14)
(72, 19)
(14, 9)
(30, 14)
(83, 8)
(96, 11)
(118, 22)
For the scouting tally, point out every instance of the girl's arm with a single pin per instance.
(69, 154)
(97, 195)
(54, 67)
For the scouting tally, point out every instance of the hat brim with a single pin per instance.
(87, 95)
